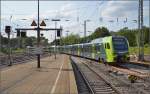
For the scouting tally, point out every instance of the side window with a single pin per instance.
(88, 48)
(98, 47)
(108, 46)
(105, 46)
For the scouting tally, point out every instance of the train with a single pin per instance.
(110, 49)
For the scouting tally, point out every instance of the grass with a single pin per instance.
(18, 50)
(134, 50)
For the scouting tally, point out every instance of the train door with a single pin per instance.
(84, 50)
(108, 52)
(90, 51)
(102, 53)
(97, 51)
(81, 50)
(93, 51)
(76, 50)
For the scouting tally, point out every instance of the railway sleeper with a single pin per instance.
(103, 89)
(105, 92)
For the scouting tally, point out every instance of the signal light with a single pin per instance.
(7, 29)
(58, 33)
(23, 34)
(18, 33)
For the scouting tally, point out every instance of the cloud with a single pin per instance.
(120, 8)
(146, 11)
(65, 11)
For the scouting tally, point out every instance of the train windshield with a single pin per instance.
(120, 44)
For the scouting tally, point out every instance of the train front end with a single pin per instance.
(120, 49)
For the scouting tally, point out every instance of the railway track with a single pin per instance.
(95, 82)
(18, 59)
(82, 84)
(119, 80)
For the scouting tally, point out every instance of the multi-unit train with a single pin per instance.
(109, 49)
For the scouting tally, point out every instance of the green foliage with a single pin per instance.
(130, 34)
(17, 43)
(134, 50)
(71, 39)
(147, 45)
(75, 39)
(99, 32)
(30, 41)
(18, 50)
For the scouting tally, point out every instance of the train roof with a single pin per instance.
(98, 40)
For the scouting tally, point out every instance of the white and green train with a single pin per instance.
(109, 49)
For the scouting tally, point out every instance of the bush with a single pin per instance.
(146, 45)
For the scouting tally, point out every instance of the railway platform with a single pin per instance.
(54, 77)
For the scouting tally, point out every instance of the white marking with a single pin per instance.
(54, 86)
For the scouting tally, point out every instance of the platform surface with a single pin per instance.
(54, 77)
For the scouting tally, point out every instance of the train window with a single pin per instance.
(102, 48)
(108, 46)
(97, 48)
(105, 46)
(87, 48)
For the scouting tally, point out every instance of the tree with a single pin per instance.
(99, 32)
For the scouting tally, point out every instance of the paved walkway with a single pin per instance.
(54, 77)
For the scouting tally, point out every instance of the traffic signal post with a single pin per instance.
(38, 38)
(8, 31)
(55, 20)
(38, 33)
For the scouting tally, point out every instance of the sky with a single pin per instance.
(99, 13)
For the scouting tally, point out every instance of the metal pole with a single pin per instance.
(55, 37)
(0, 36)
(85, 30)
(0, 42)
(38, 39)
(141, 35)
(9, 50)
(67, 37)
(139, 31)
(149, 22)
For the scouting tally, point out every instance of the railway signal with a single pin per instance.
(59, 33)
(23, 34)
(8, 30)
(55, 20)
(18, 33)
(38, 34)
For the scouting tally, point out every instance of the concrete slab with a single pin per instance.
(54, 77)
